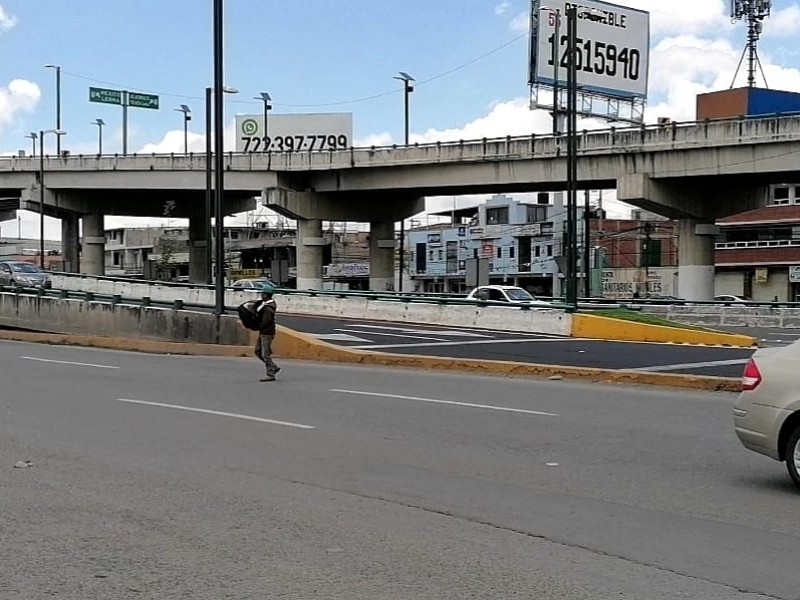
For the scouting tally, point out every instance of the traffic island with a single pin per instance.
(629, 328)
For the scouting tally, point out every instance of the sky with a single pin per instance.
(468, 56)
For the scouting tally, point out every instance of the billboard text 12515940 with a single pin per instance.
(612, 47)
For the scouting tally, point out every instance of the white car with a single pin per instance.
(507, 293)
(767, 413)
(729, 298)
(251, 285)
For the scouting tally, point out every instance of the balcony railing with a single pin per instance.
(758, 244)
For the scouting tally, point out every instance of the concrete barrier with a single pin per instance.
(606, 328)
(553, 322)
(53, 315)
(718, 315)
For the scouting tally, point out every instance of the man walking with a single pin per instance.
(266, 309)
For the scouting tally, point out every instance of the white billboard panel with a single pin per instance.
(294, 133)
(612, 47)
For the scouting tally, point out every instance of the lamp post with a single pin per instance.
(407, 89)
(209, 182)
(267, 100)
(58, 133)
(33, 136)
(219, 132)
(58, 104)
(187, 116)
(100, 124)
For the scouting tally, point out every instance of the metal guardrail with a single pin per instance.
(449, 298)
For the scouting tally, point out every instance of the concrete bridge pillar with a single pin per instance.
(309, 254)
(696, 259)
(93, 261)
(198, 251)
(70, 242)
(381, 256)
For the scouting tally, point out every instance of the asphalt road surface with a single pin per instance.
(767, 336)
(382, 336)
(166, 477)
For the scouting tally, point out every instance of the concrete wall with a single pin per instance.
(490, 317)
(54, 315)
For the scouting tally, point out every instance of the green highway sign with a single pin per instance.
(105, 96)
(142, 100)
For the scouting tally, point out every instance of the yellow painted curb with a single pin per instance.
(296, 345)
(607, 328)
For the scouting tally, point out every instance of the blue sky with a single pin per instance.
(312, 54)
(301, 51)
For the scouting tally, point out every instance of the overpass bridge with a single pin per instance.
(697, 172)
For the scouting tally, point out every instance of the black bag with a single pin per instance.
(248, 315)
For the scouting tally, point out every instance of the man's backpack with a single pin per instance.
(248, 315)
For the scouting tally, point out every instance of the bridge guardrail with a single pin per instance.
(766, 128)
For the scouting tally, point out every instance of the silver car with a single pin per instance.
(767, 413)
(23, 274)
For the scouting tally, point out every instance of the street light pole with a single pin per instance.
(572, 162)
(100, 123)
(219, 126)
(407, 89)
(58, 105)
(187, 116)
(267, 100)
(58, 133)
(33, 136)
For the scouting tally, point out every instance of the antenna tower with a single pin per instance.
(753, 12)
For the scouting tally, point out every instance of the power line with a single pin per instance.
(307, 105)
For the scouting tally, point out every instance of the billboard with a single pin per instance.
(612, 47)
(294, 133)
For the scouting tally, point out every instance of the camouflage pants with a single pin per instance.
(263, 351)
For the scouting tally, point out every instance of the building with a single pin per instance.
(258, 251)
(757, 253)
(27, 250)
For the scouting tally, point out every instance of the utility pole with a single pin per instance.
(587, 247)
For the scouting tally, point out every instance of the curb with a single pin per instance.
(295, 345)
(607, 328)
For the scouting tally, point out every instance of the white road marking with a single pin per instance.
(449, 402)
(337, 337)
(217, 413)
(447, 332)
(469, 343)
(384, 334)
(67, 362)
(699, 365)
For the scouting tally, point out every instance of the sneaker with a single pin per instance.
(265, 379)
(277, 370)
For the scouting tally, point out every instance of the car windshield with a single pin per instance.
(24, 268)
(518, 294)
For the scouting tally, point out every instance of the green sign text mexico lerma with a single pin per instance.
(105, 96)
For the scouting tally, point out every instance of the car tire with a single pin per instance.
(793, 456)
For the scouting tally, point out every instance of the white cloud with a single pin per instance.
(520, 23)
(18, 97)
(784, 22)
(684, 16)
(375, 139)
(6, 21)
(502, 8)
(172, 142)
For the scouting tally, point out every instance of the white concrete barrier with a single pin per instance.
(712, 315)
(510, 318)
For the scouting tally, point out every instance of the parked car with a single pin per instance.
(729, 298)
(253, 285)
(507, 293)
(767, 413)
(23, 274)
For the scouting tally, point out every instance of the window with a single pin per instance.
(780, 195)
(538, 251)
(549, 249)
(536, 214)
(497, 216)
(497, 295)
(511, 252)
(430, 255)
(474, 253)
(441, 254)
(499, 252)
(116, 259)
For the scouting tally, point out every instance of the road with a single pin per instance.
(767, 336)
(166, 477)
(438, 340)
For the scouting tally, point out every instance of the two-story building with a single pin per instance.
(758, 252)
